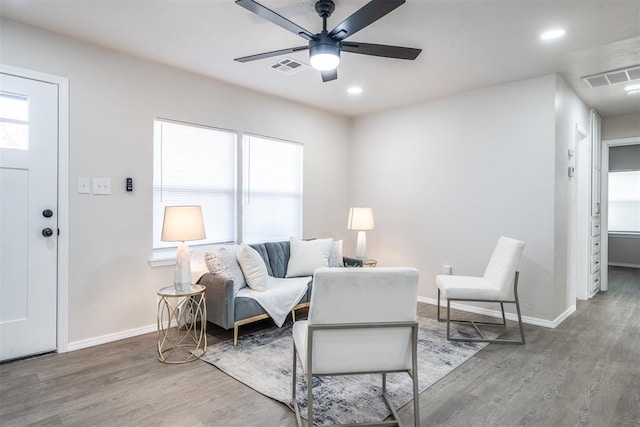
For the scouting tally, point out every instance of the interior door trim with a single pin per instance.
(62, 335)
(604, 200)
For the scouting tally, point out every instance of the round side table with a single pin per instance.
(182, 324)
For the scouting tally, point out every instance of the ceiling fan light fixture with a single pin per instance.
(325, 61)
(324, 54)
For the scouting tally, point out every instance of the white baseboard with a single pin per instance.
(116, 336)
(494, 313)
(623, 264)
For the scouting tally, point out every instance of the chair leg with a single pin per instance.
(294, 384)
(520, 320)
(293, 315)
(438, 306)
(448, 319)
(414, 367)
(235, 335)
(504, 319)
(309, 399)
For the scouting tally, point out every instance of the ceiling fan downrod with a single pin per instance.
(324, 9)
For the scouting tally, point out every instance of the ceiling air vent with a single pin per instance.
(289, 66)
(613, 77)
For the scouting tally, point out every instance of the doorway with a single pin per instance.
(33, 213)
(606, 146)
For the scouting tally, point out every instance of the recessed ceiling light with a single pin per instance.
(552, 34)
(354, 90)
(634, 92)
(632, 88)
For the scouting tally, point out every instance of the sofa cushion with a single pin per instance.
(253, 268)
(276, 257)
(223, 262)
(307, 255)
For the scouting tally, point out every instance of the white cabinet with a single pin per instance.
(594, 285)
(595, 237)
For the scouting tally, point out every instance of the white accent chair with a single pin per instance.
(361, 321)
(499, 284)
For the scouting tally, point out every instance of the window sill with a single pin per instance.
(625, 234)
(163, 257)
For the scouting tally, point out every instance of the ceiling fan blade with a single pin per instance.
(327, 76)
(270, 54)
(368, 14)
(383, 50)
(272, 16)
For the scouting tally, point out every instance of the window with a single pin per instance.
(198, 165)
(624, 201)
(14, 121)
(195, 165)
(272, 194)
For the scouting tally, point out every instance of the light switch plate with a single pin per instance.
(84, 186)
(101, 185)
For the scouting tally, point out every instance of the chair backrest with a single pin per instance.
(503, 264)
(373, 296)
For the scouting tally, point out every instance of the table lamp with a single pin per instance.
(181, 224)
(361, 219)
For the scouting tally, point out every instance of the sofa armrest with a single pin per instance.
(219, 298)
(351, 262)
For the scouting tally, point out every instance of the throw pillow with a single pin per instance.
(253, 267)
(335, 258)
(224, 263)
(307, 255)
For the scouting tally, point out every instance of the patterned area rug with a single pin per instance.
(263, 361)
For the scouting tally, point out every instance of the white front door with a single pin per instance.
(28, 216)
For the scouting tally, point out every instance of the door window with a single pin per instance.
(14, 121)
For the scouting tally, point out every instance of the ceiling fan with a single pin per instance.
(325, 47)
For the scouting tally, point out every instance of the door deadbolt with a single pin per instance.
(47, 232)
(47, 213)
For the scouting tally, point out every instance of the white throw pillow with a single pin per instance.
(253, 267)
(335, 258)
(307, 255)
(224, 263)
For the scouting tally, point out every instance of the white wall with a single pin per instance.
(625, 126)
(114, 99)
(446, 178)
(624, 251)
(570, 112)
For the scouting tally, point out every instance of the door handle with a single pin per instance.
(47, 232)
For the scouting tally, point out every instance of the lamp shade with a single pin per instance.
(182, 223)
(361, 219)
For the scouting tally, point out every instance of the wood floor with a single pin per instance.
(584, 373)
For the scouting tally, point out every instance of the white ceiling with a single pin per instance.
(467, 45)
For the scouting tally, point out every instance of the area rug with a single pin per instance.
(263, 361)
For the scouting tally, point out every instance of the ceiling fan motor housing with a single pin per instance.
(323, 45)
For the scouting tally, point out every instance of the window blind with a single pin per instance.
(272, 193)
(624, 201)
(195, 165)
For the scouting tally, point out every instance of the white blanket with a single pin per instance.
(280, 297)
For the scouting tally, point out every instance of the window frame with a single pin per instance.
(166, 256)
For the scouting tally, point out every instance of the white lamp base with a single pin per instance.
(183, 268)
(361, 246)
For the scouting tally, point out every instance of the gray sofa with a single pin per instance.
(228, 311)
